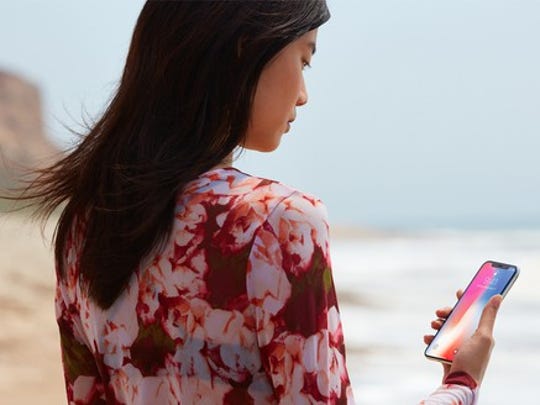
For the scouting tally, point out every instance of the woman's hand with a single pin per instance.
(473, 355)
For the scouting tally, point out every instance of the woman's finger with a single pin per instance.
(428, 339)
(437, 323)
(459, 293)
(443, 312)
(487, 319)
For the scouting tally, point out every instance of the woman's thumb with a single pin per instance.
(487, 320)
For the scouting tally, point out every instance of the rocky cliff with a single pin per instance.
(23, 142)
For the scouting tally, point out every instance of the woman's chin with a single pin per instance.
(267, 147)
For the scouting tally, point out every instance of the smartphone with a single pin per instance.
(493, 278)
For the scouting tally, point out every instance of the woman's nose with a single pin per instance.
(302, 96)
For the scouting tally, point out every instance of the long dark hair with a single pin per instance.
(181, 107)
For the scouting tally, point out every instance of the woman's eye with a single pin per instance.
(305, 65)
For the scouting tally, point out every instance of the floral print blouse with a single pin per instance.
(239, 307)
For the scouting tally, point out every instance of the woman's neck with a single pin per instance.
(227, 162)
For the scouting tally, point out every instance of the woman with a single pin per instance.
(180, 278)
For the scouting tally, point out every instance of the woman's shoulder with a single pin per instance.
(231, 193)
(234, 183)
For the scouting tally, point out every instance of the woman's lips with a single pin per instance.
(289, 125)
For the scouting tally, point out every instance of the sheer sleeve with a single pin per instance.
(81, 375)
(452, 394)
(290, 284)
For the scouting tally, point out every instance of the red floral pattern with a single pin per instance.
(238, 308)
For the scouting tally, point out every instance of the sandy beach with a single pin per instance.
(30, 365)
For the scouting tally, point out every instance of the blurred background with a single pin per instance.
(421, 135)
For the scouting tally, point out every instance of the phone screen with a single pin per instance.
(492, 278)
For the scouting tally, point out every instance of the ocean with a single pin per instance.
(389, 285)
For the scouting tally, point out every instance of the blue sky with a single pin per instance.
(420, 113)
